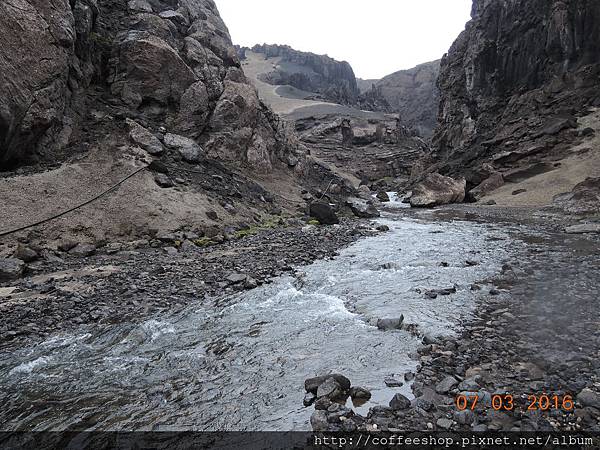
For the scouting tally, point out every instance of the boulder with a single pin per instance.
(163, 180)
(399, 402)
(383, 196)
(312, 384)
(437, 190)
(11, 269)
(189, 150)
(363, 209)
(323, 213)
(490, 184)
(390, 324)
(143, 138)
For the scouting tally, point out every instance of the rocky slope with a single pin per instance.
(519, 92)
(93, 90)
(412, 93)
(332, 80)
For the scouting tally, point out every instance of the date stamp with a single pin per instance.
(510, 402)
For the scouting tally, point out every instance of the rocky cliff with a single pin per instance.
(412, 93)
(168, 61)
(333, 80)
(516, 87)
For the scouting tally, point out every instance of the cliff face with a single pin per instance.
(515, 81)
(412, 93)
(168, 62)
(334, 80)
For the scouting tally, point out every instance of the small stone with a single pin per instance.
(309, 399)
(399, 402)
(359, 393)
(83, 250)
(172, 251)
(470, 384)
(25, 253)
(67, 245)
(330, 388)
(392, 382)
(236, 278)
(383, 196)
(212, 215)
(444, 423)
(466, 417)
(163, 180)
(382, 228)
(312, 384)
(318, 421)
(446, 385)
(519, 191)
(11, 269)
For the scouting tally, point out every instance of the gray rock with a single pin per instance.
(236, 278)
(444, 423)
(143, 138)
(383, 196)
(189, 150)
(363, 209)
(358, 393)
(329, 388)
(490, 184)
(83, 250)
(11, 269)
(318, 421)
(437, 190)
(470, 384)
(312, 384)
(399, 402)
(163, 180)
(587, 397)
(390, 324)
(139, 6)
(446, 385)
(212, 215)
(583, 228)
(323, 213)
(466, 417)
(392, 382)
(25, 253)
(309, 399)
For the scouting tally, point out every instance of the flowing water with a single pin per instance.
(239, 363)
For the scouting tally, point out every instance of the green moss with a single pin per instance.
(203, 242)
(272, 223)
(177, 243)
(313, 222)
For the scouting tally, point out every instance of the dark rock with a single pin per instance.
(437, 190)
(390, 324)
(163, 180)
(588, 132)
(309, 399)
(392, 382)
(492, 183)
(67, 245)
(329, 388)
(358, 393)
(382, 228)
(587, 397)
(318, 421)
(323, 213)
(399, 402)
(212, 215)
(519, 191)
(446, 385)
(383, 196)
(312, 384)
(11, 269)
(25, 253)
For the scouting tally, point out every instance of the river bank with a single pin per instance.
(127, 283)
(526, 358)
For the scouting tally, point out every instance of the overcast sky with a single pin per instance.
(377, 37)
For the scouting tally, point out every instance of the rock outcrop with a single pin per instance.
(514, 84)
(412, 93)
(333, 80)
(171, 63)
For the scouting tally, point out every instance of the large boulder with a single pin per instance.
(323, 213)
(363, 209)
(437, 190)
(189, 150)
(143, 138)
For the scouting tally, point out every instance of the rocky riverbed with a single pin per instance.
(528, 353)
(81, 285)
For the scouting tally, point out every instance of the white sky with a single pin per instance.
(377, 37)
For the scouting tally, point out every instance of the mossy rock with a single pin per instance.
(313, 222)
(203, 242)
